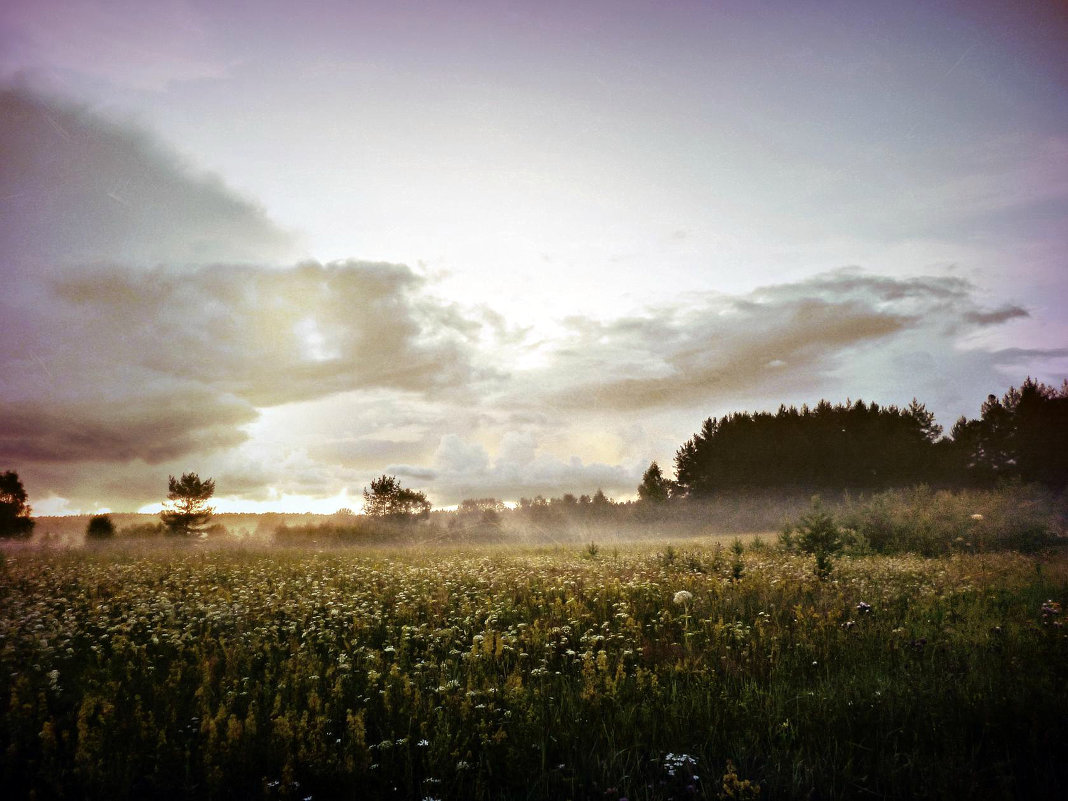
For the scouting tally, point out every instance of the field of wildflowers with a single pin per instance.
(637, 672)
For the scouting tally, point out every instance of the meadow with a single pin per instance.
(637, 671)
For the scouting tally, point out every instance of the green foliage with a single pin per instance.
(669, 556)
(100, 527)
(933, 522)
(737, 563)
(654, 487)
(481, 513)
(15, 520)
(816, 533)
(187, 511)
(142, 531)
(387, 499)
(539, 674)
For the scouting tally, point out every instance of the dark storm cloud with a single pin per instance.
(76, 188)
(779, 339)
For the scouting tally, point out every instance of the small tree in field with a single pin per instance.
(187, 502)
(818, 534)
(15, 520)
(388, 500)
(100, 528)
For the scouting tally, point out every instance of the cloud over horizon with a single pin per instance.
(787, 338)
(166, 358)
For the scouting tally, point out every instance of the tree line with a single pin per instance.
(855, 445)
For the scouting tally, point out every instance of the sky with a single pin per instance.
(502, 248)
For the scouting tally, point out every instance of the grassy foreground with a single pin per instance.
(643, 672)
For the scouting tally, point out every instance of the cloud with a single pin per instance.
(78, 188)
(778, 340)
(995, 316)
(464, 469)
(272, 336)
(153, 427)
(117, 363)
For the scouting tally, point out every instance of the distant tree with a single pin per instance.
(486, 510)
(388, 500)
(1023, 434)
(654, 487)
(100, 528)
(15, 520)
(540, 510)
(188, 509)
(142, 531)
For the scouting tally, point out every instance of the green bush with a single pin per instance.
(100, 528)
(932, 522)
(816, 533)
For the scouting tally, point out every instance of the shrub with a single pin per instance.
(100, 528)
(921, 520)
(818, 534)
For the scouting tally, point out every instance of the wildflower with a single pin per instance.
(683, 597)
(1050, 610)
(863, 608)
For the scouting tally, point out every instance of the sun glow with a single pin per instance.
(277, 503)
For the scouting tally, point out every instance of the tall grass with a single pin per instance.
(929, 522)
(484, 673)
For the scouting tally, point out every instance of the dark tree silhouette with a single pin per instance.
(15, 520)
(654, 487)
(841, 446)
(388, 500)
(100, 528)
(188, 509)
(1022, 435)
